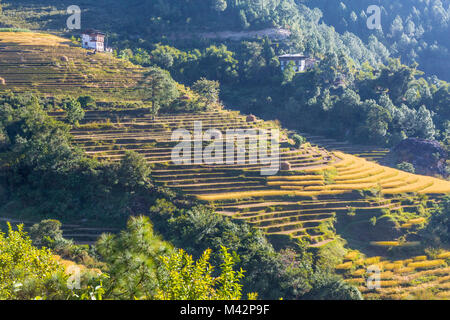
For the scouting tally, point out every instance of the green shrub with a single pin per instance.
(298, 140)
(406, 166)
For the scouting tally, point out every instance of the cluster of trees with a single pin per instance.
(142, 265)
(415, 30)
(379, 106)
(44, 174)
(28, 271)
(153, 18)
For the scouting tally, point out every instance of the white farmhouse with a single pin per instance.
(92, 39)
(300, 62)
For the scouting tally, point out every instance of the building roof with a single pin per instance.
(93, 32)
(293, 56)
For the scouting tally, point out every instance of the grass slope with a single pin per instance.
(322, 191)
(54, 66)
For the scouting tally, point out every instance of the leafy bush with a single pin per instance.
(182, 279)
(74, 110)
(22, 265)
(406, 166)
(438, 229)
(331, 287)
(87, 102)
(48, 233)
(208, 90)
(298, 140)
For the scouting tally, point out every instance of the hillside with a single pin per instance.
(54, 66)
(414, 30)
(165, 21)
(297, 202)
(222, 41)
(324, 198)
(303, 203)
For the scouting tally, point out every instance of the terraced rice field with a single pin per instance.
(301, 203)
(374, 154)
(417, 277)
(54, 66)
(321, 185)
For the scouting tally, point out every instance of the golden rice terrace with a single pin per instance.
(302, 202)
(320, 197)
(54, 66)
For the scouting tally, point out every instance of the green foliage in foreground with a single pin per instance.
(288, 274)
(133, 258)
(28, 272)
(22, 264)
(140, 266)
(50, 176)
(183, 279)
(143, 266)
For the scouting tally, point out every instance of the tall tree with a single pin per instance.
(159, 88)
(208, 90)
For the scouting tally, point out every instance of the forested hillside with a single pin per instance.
(414, 30)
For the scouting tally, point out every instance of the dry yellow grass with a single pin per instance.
(405, 270)
(385, 243)
(387, 275)
(444, 255)
(356, 281)
(389, 283)
(359, 272)
(372, 260)
(393, 266)
(243, 194)
(439, 187)
(426, 264)
(400, 282)
(345, 266)
(420, 258)
(68, 266)
(298, 188)
(319, 169)
(295, 178)
(417, 221)
(345, 162)
(31, 38)
(352, 255)
(356, 172)
(379, 178)
(295, 183)
(414, 187)
(365, 172)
